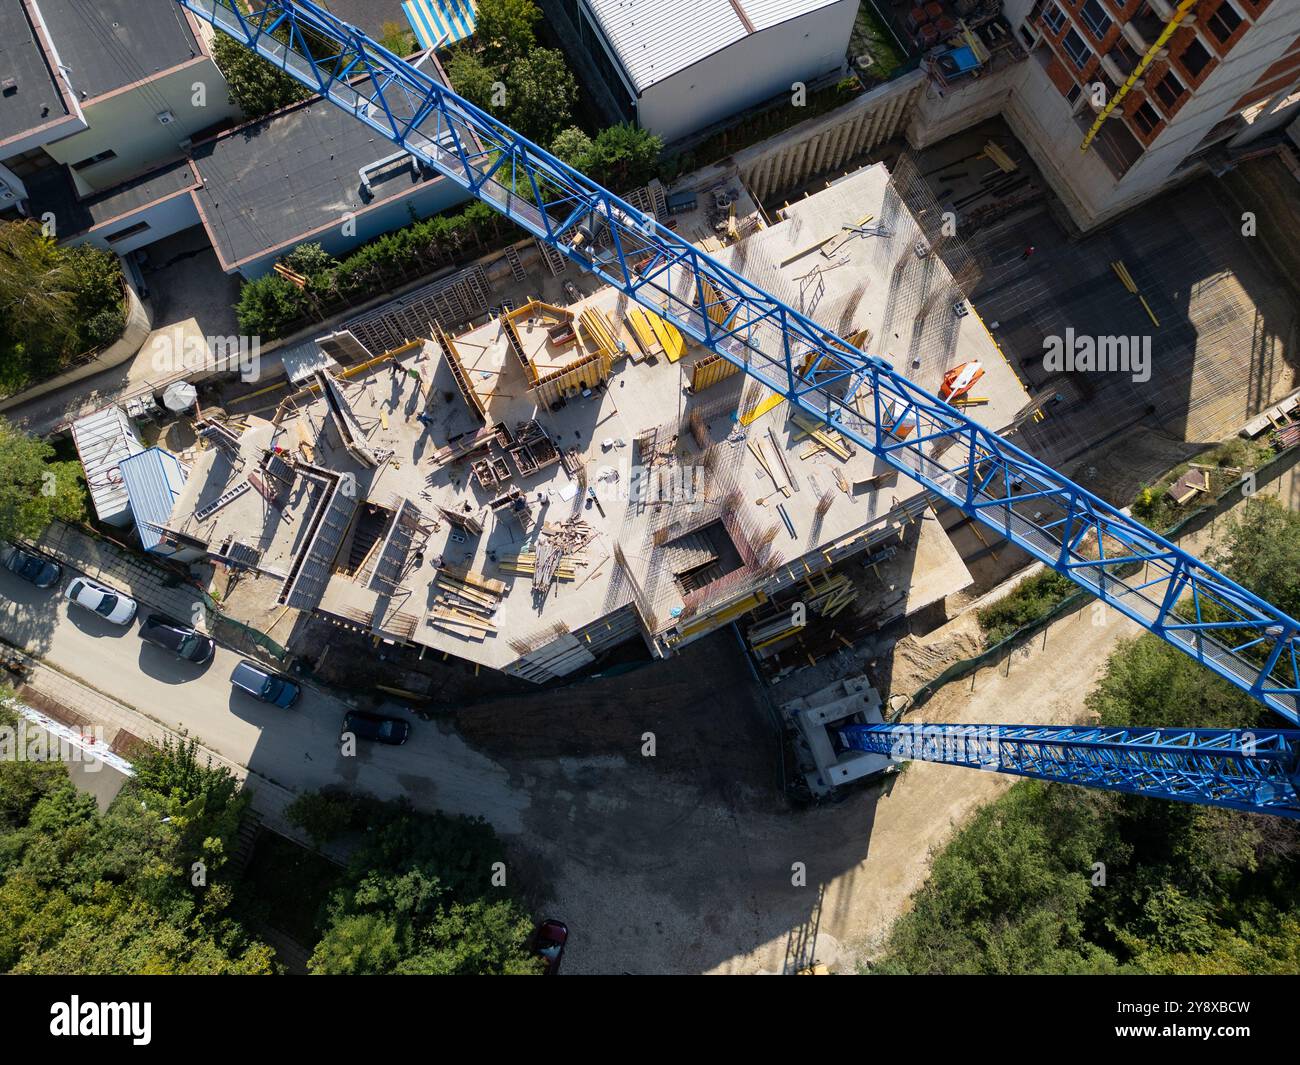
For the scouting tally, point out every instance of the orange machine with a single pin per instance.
(959, 380)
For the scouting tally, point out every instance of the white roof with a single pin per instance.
(103, 440)
(656, 39)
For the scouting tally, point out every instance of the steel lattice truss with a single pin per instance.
(1167, 591)
(1246, 770)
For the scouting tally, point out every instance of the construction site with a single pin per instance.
(530, 491)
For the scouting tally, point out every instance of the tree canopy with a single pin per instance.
(418, 896)
(138, 889)
(34, 491)
(55, 302)
(1058, 879)
(256, 87)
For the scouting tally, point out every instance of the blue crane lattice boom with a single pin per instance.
(1255, 770)
(1164, 589)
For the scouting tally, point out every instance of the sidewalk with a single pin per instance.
(126, 728)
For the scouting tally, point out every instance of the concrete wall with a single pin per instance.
(126, 122)
(966, 104)
(756, 68)
(164, 218)
(823, 144)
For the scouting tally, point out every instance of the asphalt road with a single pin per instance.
(298, 748)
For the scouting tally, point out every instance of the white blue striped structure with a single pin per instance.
(438, 23)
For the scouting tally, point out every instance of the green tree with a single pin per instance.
(504, 28)
(1261, 550)
(34, 491)
(624, 157)
(572, 146)
(36, 283)
(256, 86)
(541, 92)
(471, 78)
(417, 896)
(116, 893)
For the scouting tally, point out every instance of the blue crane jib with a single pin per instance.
(1257, 770)
(1168, 592)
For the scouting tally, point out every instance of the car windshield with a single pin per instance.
(106, 605)
(272, 688)
(188, 645)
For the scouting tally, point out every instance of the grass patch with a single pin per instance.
(289, 884)
(871, 36)
(1030, 601)
(1158, 512)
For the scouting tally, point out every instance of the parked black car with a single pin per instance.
(32, 567)
(376, 727)
(265, 686)
(185, 643)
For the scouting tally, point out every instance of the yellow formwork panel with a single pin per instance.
(639, 321)
(758, 410)
(669, 338)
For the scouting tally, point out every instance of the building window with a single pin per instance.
(1224, 22)
(129, 231)
(1076, 48)
(1073, 95)
(1146, 117)
(1095, 18)
(1054, 18)
(1169, 90)
(100, 158)
(1195, 58)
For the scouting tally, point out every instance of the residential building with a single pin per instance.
(675, 67)
(1226, 75)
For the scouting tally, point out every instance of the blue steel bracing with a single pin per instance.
(1164, 589)
(1256, 770)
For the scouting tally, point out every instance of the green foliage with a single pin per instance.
(256, 87)
(272, 306)
(623, 157)
(1032, 599)
(572, 146)
(1150, 684)
(541, 92)
(471, 77)
(34, 490)
(55, 303)
(310, 260)
(268, 304)
(504, 28)
(1188, 889)
(114, 893)
(1261, 550)
(417, 897)
(397, 38)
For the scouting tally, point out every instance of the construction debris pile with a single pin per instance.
(554, 556)
(466, 603)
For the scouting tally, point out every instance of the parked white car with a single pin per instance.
(108, 604)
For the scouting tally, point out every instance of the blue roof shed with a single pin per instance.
(153, 480)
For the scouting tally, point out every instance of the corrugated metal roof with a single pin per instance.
(103, 440)
(656, 39)
(153, 480)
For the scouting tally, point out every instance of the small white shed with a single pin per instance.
(103, 440)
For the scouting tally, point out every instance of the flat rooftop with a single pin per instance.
(52, 189)
(35, 99)
(681, 488)
(273, 183)
(107, 45)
